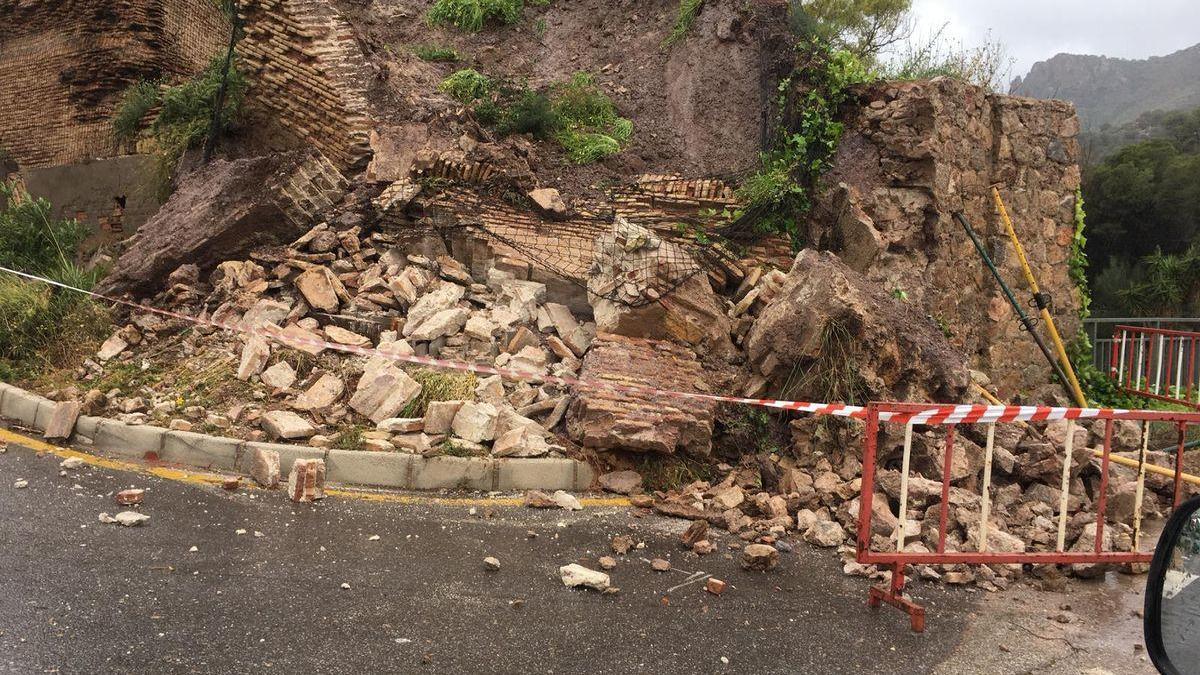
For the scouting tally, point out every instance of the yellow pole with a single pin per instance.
(1080, 399)
(1125, 461)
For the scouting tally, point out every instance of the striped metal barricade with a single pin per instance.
(1156, 363)
(915, 418)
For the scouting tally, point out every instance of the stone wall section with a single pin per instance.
(307, 77)
(914, 154)
(63, 66)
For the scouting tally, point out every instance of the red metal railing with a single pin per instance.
(1156, 363)
(899, 557)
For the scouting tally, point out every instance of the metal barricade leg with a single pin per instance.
(894, 596)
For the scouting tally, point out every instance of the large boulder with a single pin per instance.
(640, 422)
(222, 211)
(893, 350)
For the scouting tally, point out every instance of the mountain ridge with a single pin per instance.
(1110, 90)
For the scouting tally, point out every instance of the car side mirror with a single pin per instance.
(1172, 616)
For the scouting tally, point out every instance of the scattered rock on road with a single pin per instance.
(491, 563)
(566, 500)
(575, 575)
(697, 531)
(760, 557)
(130, 497)
(660, 565)
(714, 586)
(306, 482)
(71, 463)
(607, 562)
(21, 483)
(125, 518)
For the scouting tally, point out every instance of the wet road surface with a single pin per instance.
(78, 596)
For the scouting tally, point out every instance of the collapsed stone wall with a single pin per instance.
(306, 79)
(914, 154)
(65, 64)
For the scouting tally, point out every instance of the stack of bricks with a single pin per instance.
(306, 482)
(308, 76)
(308, 188)
(64, 66)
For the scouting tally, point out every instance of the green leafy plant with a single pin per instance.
(184, 117)
(135, 103)
(467, 85)
(436, 53)
(778, 194)
(42, 326)
(472, 15)
(591, 129)
(688, 9)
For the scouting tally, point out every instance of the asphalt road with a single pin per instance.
(78, 596)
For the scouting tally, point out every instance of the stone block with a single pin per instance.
(378, 469)
(201, 450)
(306, 481)
(123, 440)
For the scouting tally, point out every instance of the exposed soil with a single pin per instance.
(697, 108)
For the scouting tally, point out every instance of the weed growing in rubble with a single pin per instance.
(436, 53)
(688, 9)
(472, 15)
(350, 437)
(467, 86)
(833, 376)
(439, 386)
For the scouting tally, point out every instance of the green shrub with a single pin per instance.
(590, 128)
(435, 53)
(472, 15)
(467, 86)
(42, 326)
(185, 116)
(688, 9)
(437, 385)
(531, 113)
(137, 100)
(31, 240)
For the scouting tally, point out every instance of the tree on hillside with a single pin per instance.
(864, 27)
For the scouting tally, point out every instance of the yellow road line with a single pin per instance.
(204, 478)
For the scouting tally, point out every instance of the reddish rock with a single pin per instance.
(637, 422)
(306, 482)
(697, 531)
(715, 586)
(130, 497)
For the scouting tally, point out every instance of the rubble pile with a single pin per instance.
(341, 282)
(813, 491)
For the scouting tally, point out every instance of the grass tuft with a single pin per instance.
(135, 103)
(472, 15)
(467, 86)
(688, 9)
(439, 386)
(436, 54)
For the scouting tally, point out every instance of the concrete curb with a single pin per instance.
(393, 470)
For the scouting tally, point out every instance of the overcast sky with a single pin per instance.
(1035, 30)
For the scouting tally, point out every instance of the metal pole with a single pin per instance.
(1043, 304)
(1012, 300)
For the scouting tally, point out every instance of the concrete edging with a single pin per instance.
(393, 470)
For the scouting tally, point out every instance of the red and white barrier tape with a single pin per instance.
(935, 414)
